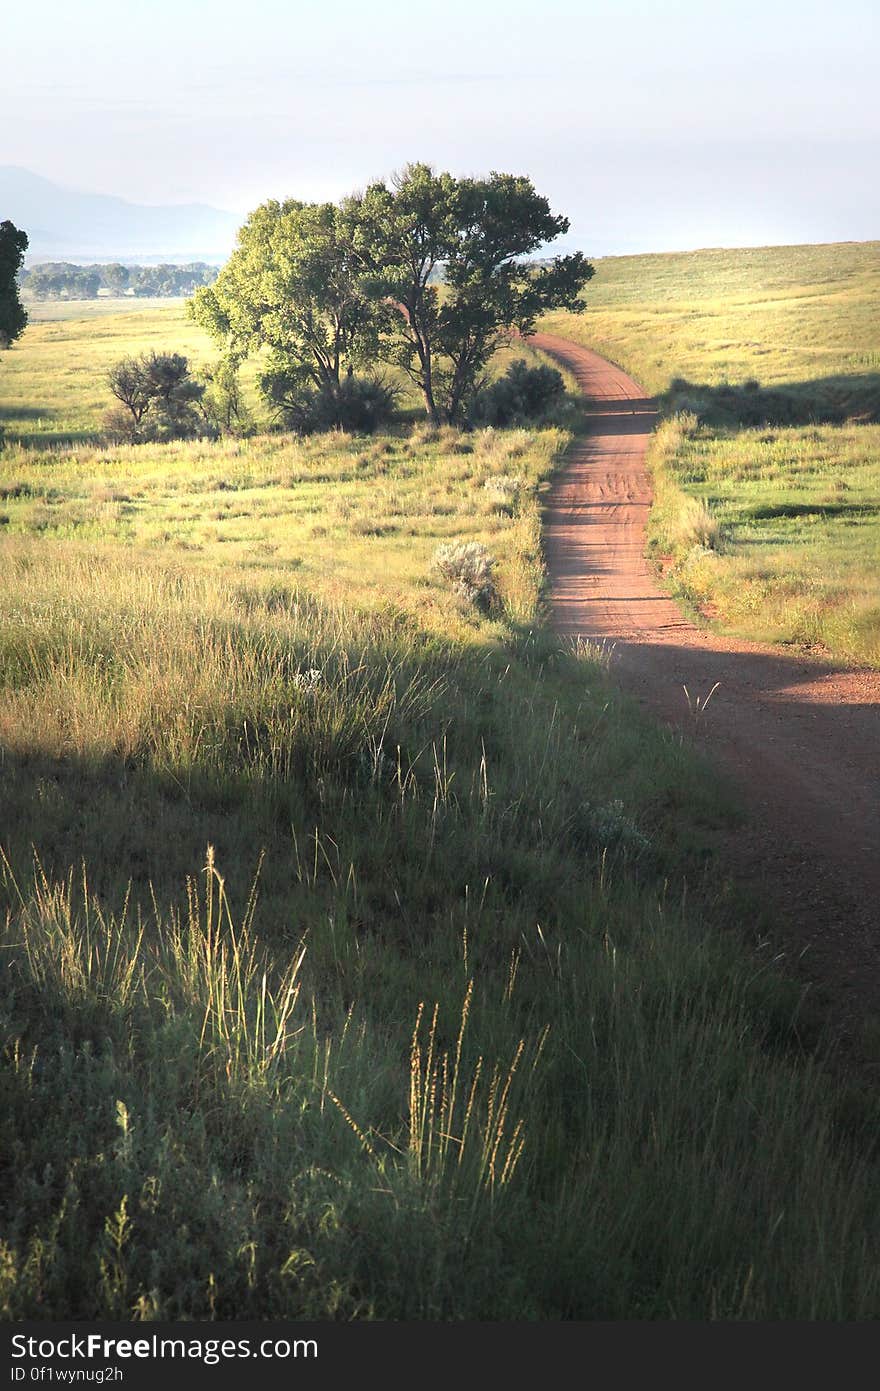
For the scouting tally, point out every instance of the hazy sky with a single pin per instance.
(653, 126)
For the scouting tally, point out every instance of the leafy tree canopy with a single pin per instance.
(293, 285)
(13, 317)
(330, 288)
(481, 232)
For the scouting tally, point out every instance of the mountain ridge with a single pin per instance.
(66, 224)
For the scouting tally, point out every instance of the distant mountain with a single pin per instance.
(65, 225)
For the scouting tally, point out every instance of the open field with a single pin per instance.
(348, 517)
(53, 386)
(768, 513)
(45, 311)
(457, 1016)
(366, 954)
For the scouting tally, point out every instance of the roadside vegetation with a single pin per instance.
(766, 364)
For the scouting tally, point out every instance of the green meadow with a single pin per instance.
(54, 384)
(365, 953)
(766, 364)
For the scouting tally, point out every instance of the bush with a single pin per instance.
(120, 427)
(503, 492)
(358, 405)
(470, 569)
(157, 399)
(523, 393)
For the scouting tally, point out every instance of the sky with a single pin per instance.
(651, 124)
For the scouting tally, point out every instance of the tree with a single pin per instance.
(402, 235)
(87, 285)
(174, 395)
(480, 232)
(294, 285)
(128, 383)
(327, 289)
(62, 279)
(158, 397)
(223, 404)
(115, 277)
(13, 316)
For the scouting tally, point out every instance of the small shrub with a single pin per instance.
(424, 433)
(694, 526)
(612, 828)
(523, 393)
(469, 567)
(308, 681)
(158, 399)
(503, 492)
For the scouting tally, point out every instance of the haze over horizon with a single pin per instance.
(651, 130)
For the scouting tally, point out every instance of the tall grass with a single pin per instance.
(455, 1049)
(362, 953)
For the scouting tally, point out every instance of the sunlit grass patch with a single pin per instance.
(775, 530)
(765, 469)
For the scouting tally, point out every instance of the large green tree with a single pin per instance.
(402, 236)
(293, 285)
(481, 235)
(429, 272)
(13, 316)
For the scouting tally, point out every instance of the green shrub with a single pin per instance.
(358, 405)
(158, 400)
(523, 393)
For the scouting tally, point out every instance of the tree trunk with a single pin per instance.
(427, 381)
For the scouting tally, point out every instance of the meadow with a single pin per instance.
(367, 955)
(766, 363)
(54, 385)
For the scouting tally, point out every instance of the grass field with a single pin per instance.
(768, 482)
(45, 311)
(366, 955)
(53, 388)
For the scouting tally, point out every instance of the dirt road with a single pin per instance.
(801, 738)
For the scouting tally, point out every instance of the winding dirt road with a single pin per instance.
(800, 738)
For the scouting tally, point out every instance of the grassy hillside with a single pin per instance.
(365, 954)
(768, 480)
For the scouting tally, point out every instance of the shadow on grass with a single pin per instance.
(822, 401)
(772, 512)
(25, 413)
